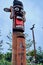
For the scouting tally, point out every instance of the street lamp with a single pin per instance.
(32, 28)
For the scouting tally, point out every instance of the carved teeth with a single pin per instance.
(18, 17)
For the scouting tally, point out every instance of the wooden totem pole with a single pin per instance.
(18, 37)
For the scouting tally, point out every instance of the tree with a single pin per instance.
(39, 50)
(9, 37)
(1, 43)
(28, 45)
(40, 54)
(1, 48)
(8, 56)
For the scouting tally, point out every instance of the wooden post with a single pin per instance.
(18, 38)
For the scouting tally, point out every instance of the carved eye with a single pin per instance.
(22, 10)
(16, 9)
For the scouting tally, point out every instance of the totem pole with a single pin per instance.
(18, 37)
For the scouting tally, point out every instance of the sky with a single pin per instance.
(34, 15)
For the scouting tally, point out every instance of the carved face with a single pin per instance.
(19, 17)
(18, 12)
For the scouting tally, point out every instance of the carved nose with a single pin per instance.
(7, 10)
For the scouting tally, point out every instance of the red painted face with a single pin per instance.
(19, 22)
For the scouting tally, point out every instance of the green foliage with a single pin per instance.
(31, 53)
(39, 56)
(5, 59)
(8, 56)
(28, 61)
(4, 62)
(1, 56)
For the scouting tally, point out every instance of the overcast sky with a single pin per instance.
(34, 15)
